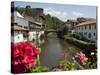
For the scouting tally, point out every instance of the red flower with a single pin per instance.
(23, 53)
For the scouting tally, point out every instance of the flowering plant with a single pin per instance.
(23, 56)
(65, 65)
(82, 57)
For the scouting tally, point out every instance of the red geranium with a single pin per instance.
(23, 53)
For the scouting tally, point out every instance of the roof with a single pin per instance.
(18, 18)
(74, 21)
(19, 15)
(38, 23)
(23, 20)
(29, 18)
(87, 22)
(18, 28)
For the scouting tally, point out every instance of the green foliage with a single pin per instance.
(84, 39)
(40, 69)
(52, 22)
(65, 65)
(65, 30)
(78, 43)
(91, 66)
(68, 65)
(49, 22)
(77, 36)
(80, 37)
(57, 23)
(92, 62)
(20, 9)
(26, 11)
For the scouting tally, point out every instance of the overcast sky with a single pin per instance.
(63, 11)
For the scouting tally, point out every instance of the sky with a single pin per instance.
(62, 11)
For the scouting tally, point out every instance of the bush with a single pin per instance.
(67, 65)
(79, 43)
(77, 36)
(80, 37)
(92, 62)
(40, 69)
(87, 40)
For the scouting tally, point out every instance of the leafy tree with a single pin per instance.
(20, 9)
(57, 22)
(28, 10)
(53, 22)
(49, 21)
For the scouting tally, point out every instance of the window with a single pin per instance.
(85, 33)
(85, 26)
(89, 35)
(18, 32)
(25, 27)
(81, 33)
(82, 27)
(96, 38)
(76, 28)
(94, 34)
(89, 26)
(94, 26)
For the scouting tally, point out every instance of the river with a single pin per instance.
(51, 52)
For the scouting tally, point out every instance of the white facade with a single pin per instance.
(35, 35)
(32, 35)
(25, 24)
(89, 31)
(17, 36)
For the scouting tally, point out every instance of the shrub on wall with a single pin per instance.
(77, 36)
(81, 44)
